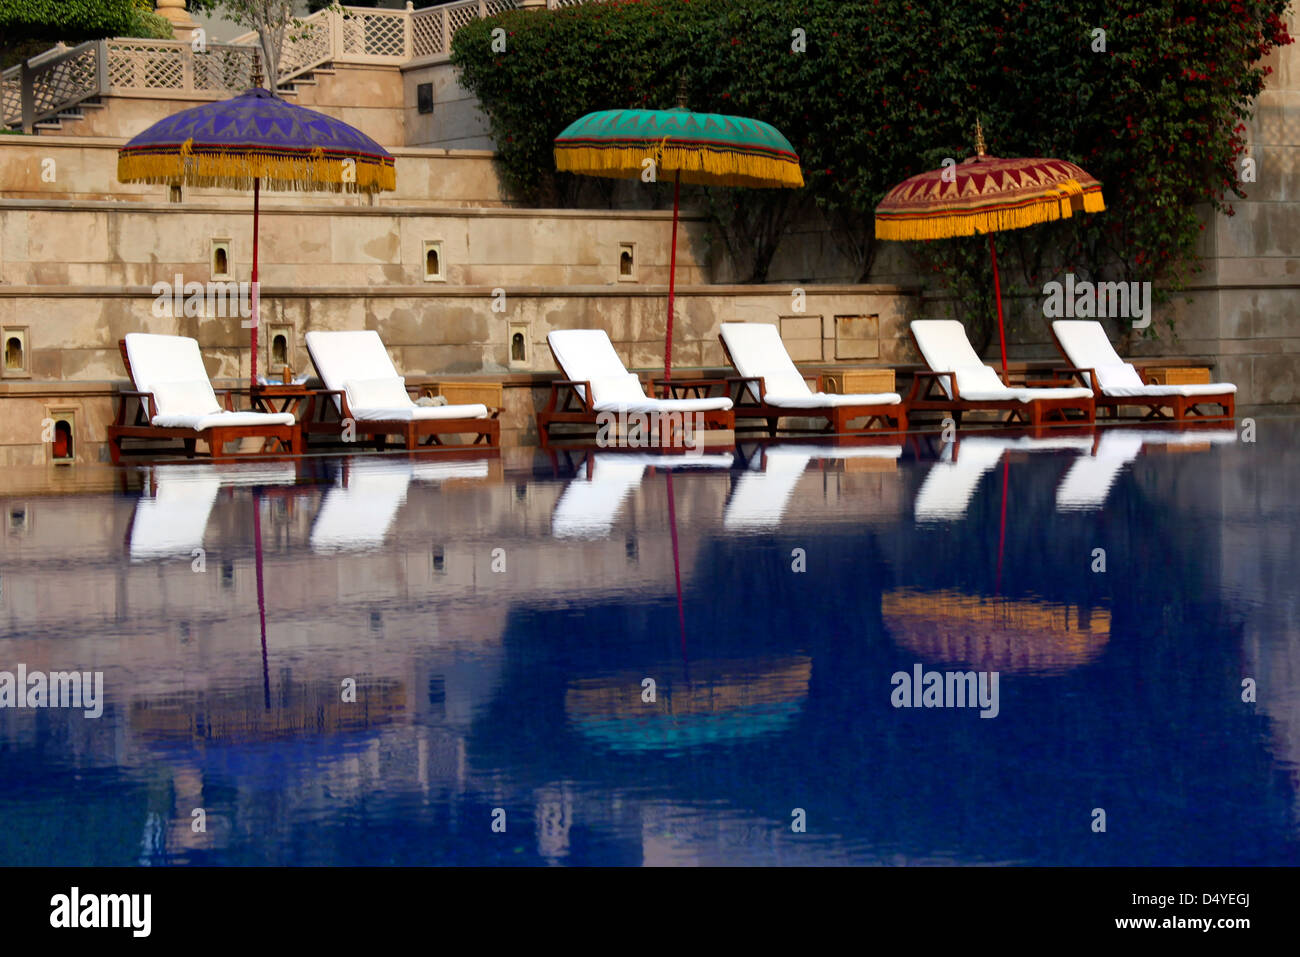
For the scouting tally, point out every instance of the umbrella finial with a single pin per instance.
(681, 91)
(979, 138)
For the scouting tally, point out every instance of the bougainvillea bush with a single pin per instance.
(870, 93)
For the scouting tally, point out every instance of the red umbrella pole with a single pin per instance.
(677, 571)
(252, 372)
(997, 291)
(672, 285)
(261, 592)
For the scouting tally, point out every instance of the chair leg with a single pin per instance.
(771, 425)
(189, 447)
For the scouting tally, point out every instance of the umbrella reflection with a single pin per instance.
(724, 700)
(994, 633)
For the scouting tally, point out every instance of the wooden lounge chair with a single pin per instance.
(596, 384)
(958, 381)
(171, 515)
(590, 503)
(770, 387)
(362, 388)
(949, 486)
(1115, 382)
(174, 399)
(1088, 483)
(762, 492)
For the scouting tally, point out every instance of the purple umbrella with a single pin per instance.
(255, 140)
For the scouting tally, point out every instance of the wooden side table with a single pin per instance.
(280, 398)
(858, 382)
(490, 394)
(1177, 375)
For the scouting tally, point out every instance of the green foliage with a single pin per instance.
(890, 88)
(28, 27)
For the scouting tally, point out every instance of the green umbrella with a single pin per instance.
(707, 149)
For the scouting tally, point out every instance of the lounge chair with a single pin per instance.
(173, 520)
(958, 381)
(1089, 480)
(591, 502)
(597, 384)
(946, 493)
(364, 388)
(770, 387)
(357, 513)
(759, 498)
(1115, 382)
(175, 400)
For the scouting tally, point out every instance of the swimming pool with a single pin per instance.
(909, 652)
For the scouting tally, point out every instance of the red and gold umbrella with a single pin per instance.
(986, 194)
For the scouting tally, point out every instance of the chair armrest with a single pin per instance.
(689, 382)
(741, 381)
(146, 400)
(937, 377)
(585, 395)
(669, 384)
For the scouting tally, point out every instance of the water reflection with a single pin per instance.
(497, 622)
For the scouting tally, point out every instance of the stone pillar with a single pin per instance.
(174, 12)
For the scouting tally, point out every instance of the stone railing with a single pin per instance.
(366, 35)
(58, 80)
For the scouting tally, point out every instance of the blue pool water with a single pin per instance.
(499, 619)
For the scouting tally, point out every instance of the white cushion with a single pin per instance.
(388, 392)
(1085, 343)
(185, 397)
(356, 355)
(157, 358)
(200, 422)
(1029, 395)
(585, 354)
(828, 400)
(757, 351)
(1116, 376)
(625, 387)
(644, 404)
(945, 348)
(1159, 391)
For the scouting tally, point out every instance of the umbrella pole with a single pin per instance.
(997, 291)
(677, 573)
(1002, 525)
(261, 593)
(252, 362)
(672, 277)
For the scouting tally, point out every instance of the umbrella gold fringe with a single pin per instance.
(707, 167)
(299, 173)
(949, 224)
